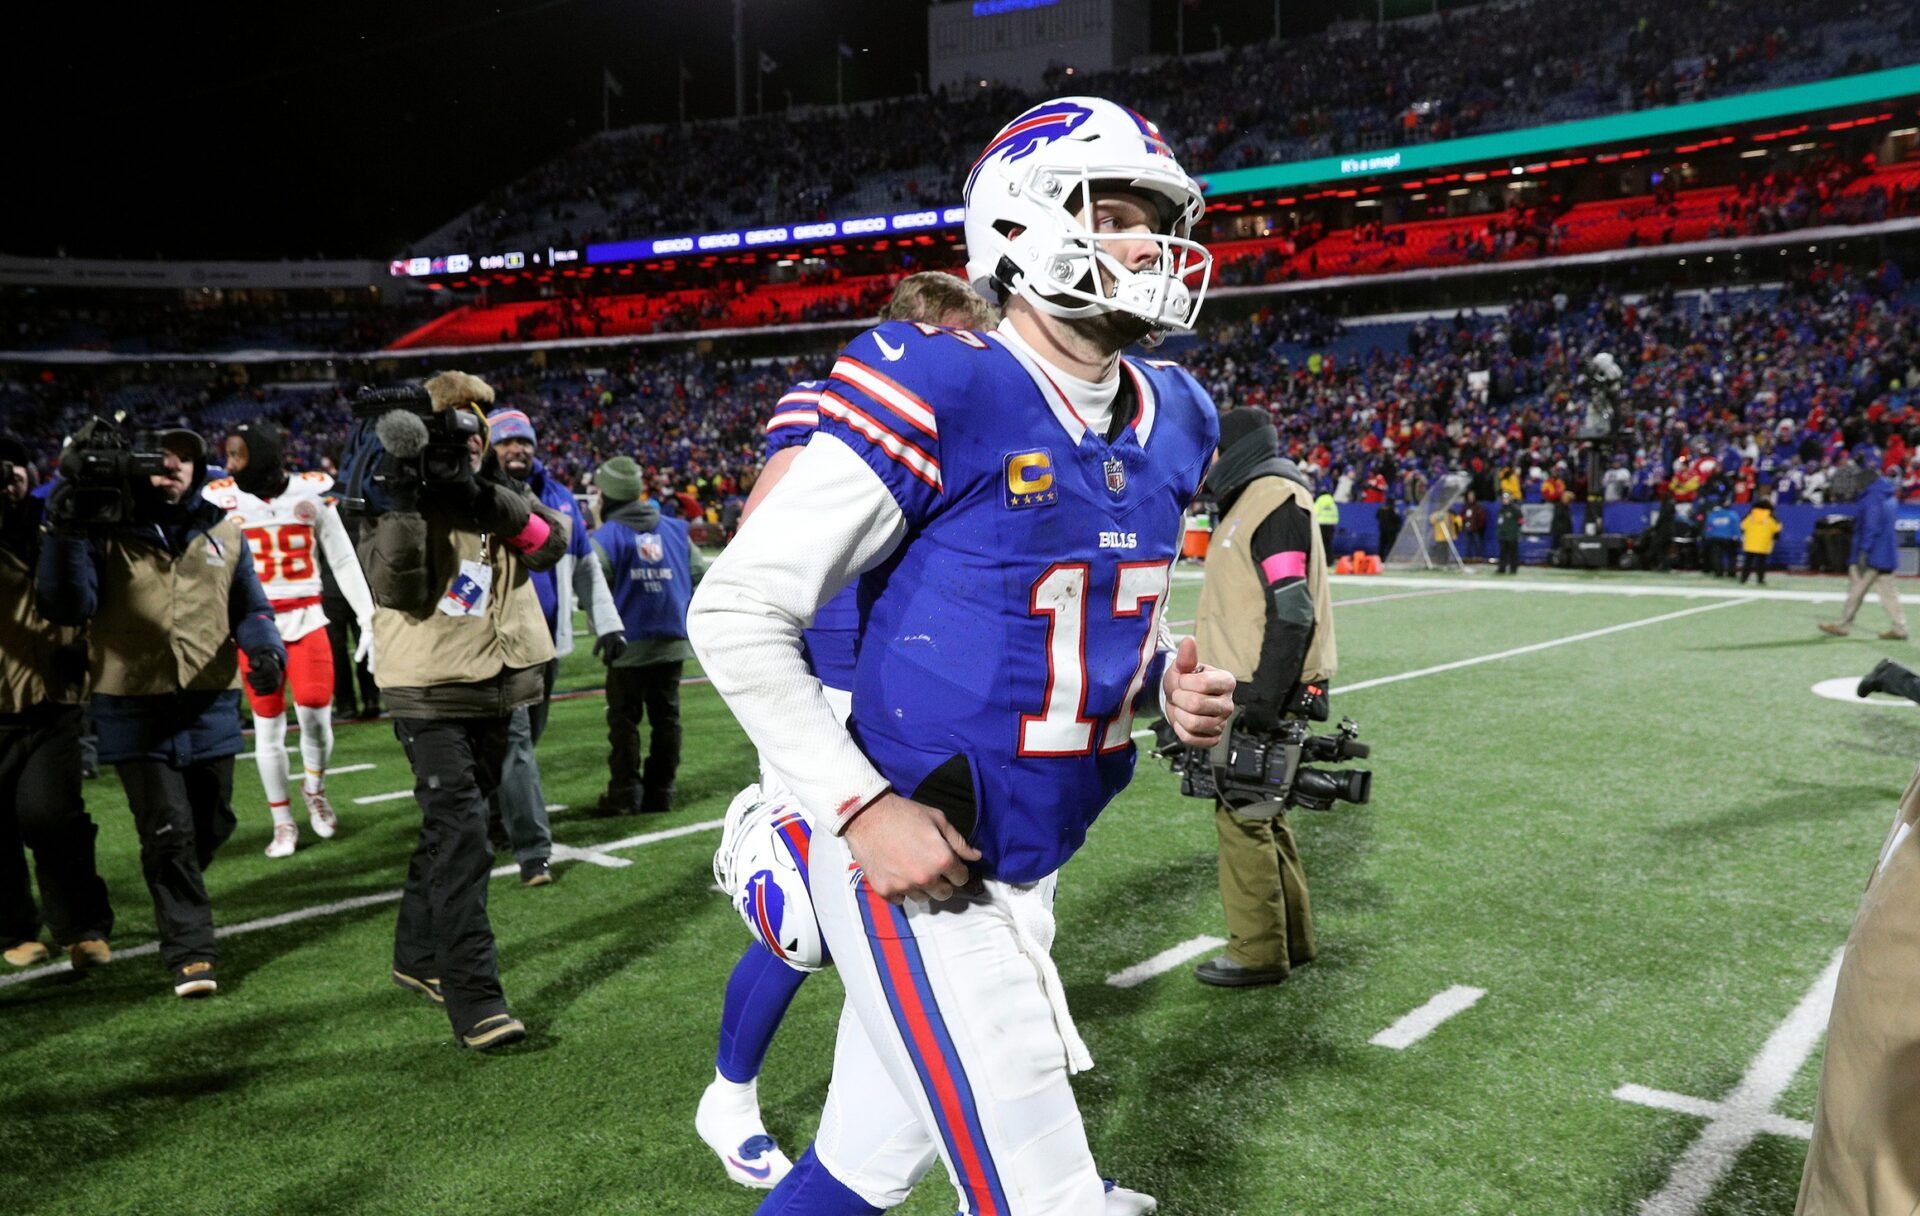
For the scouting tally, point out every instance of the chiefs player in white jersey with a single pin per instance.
(290, 525)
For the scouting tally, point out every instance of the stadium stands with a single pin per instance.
(1495, 67)
(1773, 386)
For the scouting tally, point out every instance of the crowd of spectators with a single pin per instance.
(1494, 67)
(1761, 392)
(1732, 395)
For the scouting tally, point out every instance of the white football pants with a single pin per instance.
(950, 1043)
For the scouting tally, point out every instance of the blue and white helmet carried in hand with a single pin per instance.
(1031, 190)
(761, 864)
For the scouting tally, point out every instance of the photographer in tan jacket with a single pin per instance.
(459, 644)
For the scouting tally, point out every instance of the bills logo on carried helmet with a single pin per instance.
(762, 866)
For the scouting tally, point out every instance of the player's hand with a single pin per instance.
(363, 653)
(909, 850)
(1199, 698)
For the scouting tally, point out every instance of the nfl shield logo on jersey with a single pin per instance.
(1116, 475)
(651, 550)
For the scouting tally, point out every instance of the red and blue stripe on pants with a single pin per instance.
(903, 978)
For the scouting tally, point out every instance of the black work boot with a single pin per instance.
(1889, 676)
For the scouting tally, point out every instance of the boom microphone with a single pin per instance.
(402, 433)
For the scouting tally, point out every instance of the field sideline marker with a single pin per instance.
(1426, 1019)
(1747, 1111)
(1164, 961)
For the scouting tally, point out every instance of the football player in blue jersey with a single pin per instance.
(763, 985)
(1010, 507)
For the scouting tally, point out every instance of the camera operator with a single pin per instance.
(459, 644)
(42, 669)
(167, 587)
(1266, 616)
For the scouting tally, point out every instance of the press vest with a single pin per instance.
(420, 652)
(28, 644)
(652, 579)
(1232, 618)
(161, 626)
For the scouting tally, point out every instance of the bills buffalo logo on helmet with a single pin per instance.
(1036, 127)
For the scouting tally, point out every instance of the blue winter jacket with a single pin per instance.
(1723, 523)
(1873, 536)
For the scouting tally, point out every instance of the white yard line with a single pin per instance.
(1164, 961)
(1370, 599)
(560, 852)
(395, 796)
(1426, 1019)
(1549, 644)
(1401, 595)
(1748, 1110)
(1661, 1099)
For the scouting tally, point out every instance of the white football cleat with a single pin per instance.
(285, 837)
(1123, 1202)
(728, 1119)
(320, 813)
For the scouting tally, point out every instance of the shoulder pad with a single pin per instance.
(218, 483)
(911, 369)
(318, 483)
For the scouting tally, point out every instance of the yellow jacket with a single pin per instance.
(1759, 528)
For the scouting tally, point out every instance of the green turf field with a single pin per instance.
(1644, 845)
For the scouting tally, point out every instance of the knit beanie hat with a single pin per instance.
(619, 479)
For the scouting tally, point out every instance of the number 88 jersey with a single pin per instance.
(1017, 625)
(283, 534)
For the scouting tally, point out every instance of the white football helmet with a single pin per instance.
(1029, 190)
(762, 866)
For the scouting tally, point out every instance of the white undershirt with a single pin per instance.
(828, 520)
(1091, 399)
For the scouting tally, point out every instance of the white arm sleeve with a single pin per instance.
(601, 612)
(337, 547)
(830, 519)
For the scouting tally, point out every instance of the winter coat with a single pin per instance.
(1759, 531)
(1873, 538)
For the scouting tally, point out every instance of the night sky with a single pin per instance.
(350, 129)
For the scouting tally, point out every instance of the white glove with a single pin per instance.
(364, 652)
